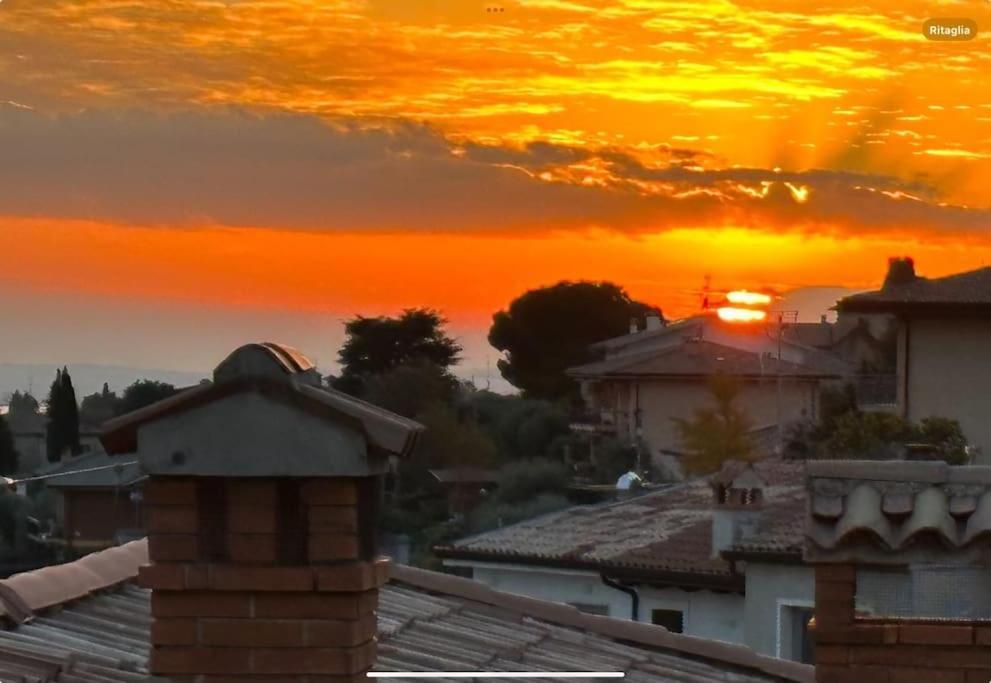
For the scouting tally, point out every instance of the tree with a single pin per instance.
(521, 428)
(524, 480)
(409, 389)
(143, 393)
(8, 452)
(23, 403)
(869, 435)
(946, 436)
(449, 440)
(63, 417)
(547, 330)
(716, 433)
(883, 436)
(377, 345)
(99, 407)
(526, 488)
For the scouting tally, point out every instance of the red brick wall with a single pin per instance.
(237, 597)
(856, 650)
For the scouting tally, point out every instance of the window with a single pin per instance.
(671, 619)
(465, 572)
(600, 610)
(796, 642)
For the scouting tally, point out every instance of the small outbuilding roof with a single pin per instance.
(95, 470)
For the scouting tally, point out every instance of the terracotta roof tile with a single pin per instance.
(667, 530)
(969, 288)
(695, 358)
(894, 512)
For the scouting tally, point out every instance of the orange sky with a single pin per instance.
(316, 159)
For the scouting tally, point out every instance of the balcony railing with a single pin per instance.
(605, 421)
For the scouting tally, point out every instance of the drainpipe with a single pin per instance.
(908, 363)
(629, 590)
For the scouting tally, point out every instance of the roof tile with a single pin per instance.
(427, 621)
(666, 530)
(893, 512)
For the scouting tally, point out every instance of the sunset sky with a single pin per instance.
(178, 177)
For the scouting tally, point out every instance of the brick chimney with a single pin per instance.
(901, 271)
(262, 494)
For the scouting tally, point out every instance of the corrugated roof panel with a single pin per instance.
(422, 628)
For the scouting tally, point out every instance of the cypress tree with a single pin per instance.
(53, 434)
(63, 417)
(8, 453)
(71, 414)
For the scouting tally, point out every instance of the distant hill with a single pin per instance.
(86, 377)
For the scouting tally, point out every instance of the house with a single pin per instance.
(261, 563)
(900, 552)
(465, 486)
(648, 379)
(30, 432)
(717, 558)
(98, 500)
(943, 348)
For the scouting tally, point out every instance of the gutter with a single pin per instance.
(629, 590)
(773, 556)
(642, 575)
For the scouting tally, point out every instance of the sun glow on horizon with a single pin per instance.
(748, 298)
(740, 315)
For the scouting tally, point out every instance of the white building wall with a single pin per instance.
(707, 614)
(948, 372)
(663, 400)
(770, 588)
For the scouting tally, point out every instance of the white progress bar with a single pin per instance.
(496, 674)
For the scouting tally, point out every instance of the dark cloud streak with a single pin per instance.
(232, 167)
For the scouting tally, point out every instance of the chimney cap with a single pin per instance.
(266, 415)
(737, 474)
(267, 359)
(901, 271)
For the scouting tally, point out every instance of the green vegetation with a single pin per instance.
(374, 346)
(845, 432)
(8, 453)
(23, 402)
(63, 417)
(143, 393)
(716, 433)
(547, 330)
(99, 407)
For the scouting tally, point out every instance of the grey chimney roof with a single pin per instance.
(897, 512)
(282, 375)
